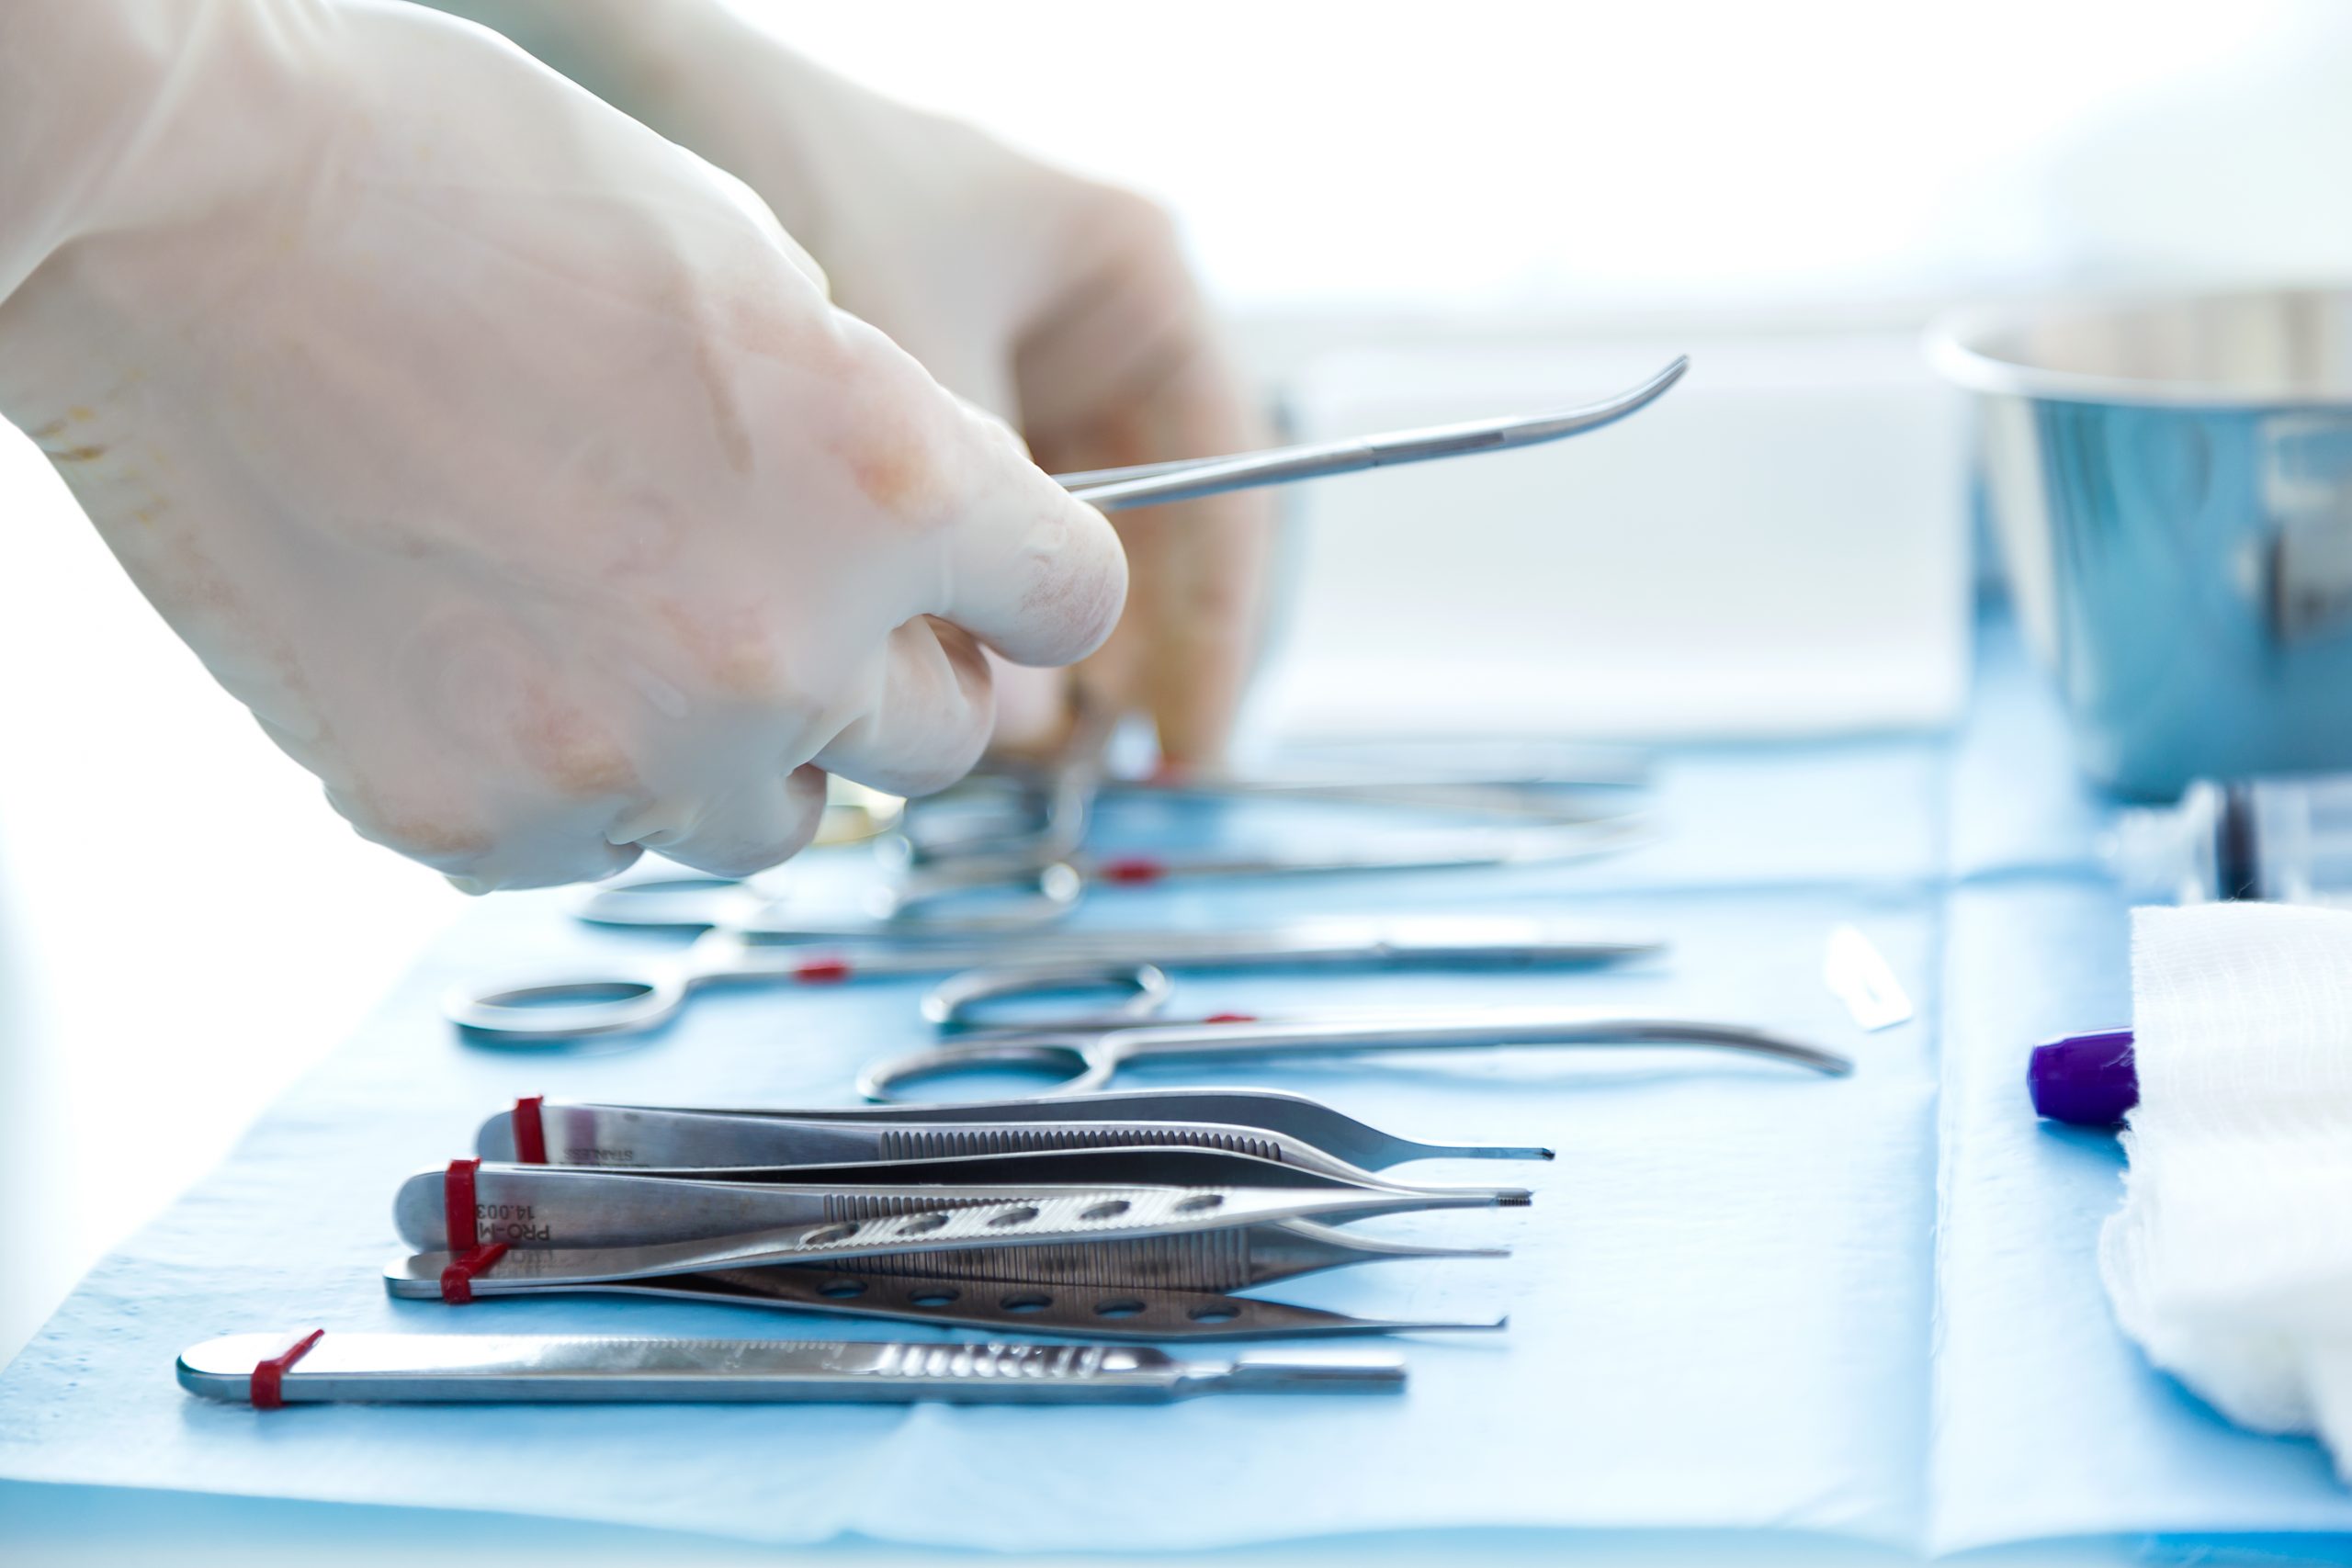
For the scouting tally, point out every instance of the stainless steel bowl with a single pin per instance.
(2171, 484)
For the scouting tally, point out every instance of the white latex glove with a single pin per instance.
(1062, 304)
(505, 458)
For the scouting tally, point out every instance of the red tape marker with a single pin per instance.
(819, 971)
(267, 1388)
(457, 1279)
(1131, 869)
(458, 1221)
(530, 1132)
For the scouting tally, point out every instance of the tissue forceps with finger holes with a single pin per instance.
(1032, 878)
(1031, 875)
(1080, 1058)
(632, 999)
(1035, 841)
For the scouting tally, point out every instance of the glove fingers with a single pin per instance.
(758, 824)
(1033, 573)
(930, 720)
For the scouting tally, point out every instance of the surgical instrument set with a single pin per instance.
(273, 1370)
(1120, 1216)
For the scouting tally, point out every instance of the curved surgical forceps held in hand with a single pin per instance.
(1089, 1058)
(1154, 484)
(624, 1000)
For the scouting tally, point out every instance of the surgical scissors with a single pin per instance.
(1032, 881)
(628, 999)
(1033, 875)
(1082, 1058)
(1037, 817)
(1155, 484)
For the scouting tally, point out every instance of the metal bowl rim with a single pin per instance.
(1947, 344)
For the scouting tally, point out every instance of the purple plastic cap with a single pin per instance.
(2088, 1080)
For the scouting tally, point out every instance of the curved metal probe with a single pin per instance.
(1153, 484)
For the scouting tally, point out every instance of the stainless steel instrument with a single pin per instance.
(1077, 1058)
(1118, 1309)
(820, 1148)
(554, 1206)
(1154, 484)
(923, 1220)
(1135, 1165)
(1272, 1110)
(576, 1368)
(737, 949)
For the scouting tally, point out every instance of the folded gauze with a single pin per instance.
(2231, 1261)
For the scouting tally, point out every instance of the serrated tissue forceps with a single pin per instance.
(1083, 1058)
(1155, 484)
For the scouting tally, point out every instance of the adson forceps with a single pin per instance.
(600, 1135)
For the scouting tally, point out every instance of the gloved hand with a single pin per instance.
(505, 458)
(1061, 304)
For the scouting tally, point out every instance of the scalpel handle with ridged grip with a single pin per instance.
(268, 1369)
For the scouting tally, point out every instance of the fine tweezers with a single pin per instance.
(1140, 1164)
(927, 1224)
(266, 1370)
(629, 1137)
(1224, 1260)
(1117, 1311)
(1127, 1165)
(535, 1207)
(1270, 1110)
(1153, 484)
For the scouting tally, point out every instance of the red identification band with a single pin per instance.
(458, 1225)
(530, 1132)
(457, 1279)
(461, 1225)
(1131, 869)
(816, 970)
(267, 1388)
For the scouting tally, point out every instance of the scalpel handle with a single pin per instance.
(572, 1368)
